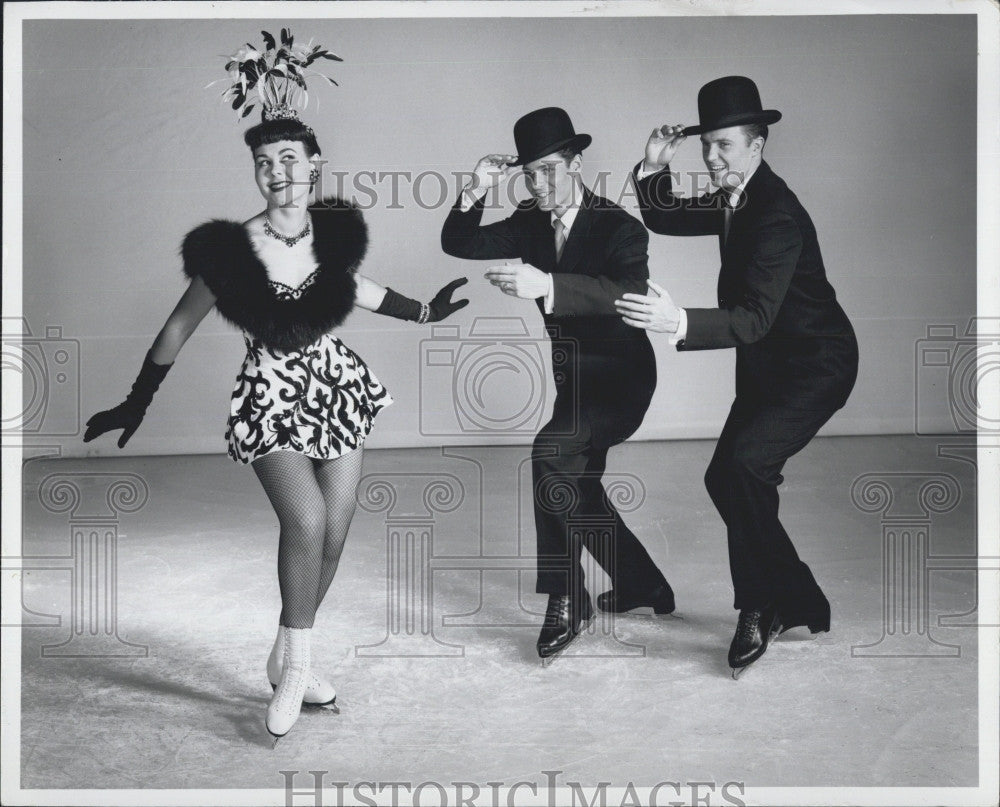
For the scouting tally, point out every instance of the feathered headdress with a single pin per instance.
(274, 78)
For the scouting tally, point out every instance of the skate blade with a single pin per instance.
(738, 671)
(330, 707)
(800, 633)
(645, 611)
(547, 661)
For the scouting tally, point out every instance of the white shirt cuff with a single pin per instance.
(469, 198)
(682, 328)
(641, 174)
(550, 297)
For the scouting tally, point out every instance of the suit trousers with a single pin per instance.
(742, 479)
(572, 509)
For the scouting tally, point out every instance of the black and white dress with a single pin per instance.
(300, 387)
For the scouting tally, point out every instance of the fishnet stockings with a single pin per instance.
(338, 479)
(314, 501)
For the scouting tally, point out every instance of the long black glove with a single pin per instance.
(130, 412)
(396, 305)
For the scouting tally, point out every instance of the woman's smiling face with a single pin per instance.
(282, 173)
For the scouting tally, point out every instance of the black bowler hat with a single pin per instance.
(730, 101)
(545, 131)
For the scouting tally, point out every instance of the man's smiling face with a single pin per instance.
(728, 156)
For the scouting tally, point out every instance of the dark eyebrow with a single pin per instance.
(287, 148)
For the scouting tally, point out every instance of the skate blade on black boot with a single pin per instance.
(647, 611)
(816, 621)
(738, 671)
(767, 616)
(658, 602)
(549, 659)
(565, 617)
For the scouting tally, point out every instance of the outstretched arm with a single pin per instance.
(625, 270)
(194, 304)
(382, 300)
(187, 315)
(369, 294)
(767, 276)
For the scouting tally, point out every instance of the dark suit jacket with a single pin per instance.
(794, 343)
(613, 366)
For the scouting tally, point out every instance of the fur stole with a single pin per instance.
(221, 253)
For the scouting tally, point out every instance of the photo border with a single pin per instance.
(988, 274)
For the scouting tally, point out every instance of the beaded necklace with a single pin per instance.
(287, 240)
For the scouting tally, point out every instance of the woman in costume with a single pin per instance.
(304, 402)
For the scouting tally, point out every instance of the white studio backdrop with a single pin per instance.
(125, 151)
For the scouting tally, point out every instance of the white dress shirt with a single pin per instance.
(734, 197)
(568, 217)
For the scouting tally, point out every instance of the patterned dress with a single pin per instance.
(320, 400)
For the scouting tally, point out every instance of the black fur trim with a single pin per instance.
(220, 252)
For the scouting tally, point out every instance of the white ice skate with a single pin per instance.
(286, 703)
(319, 692)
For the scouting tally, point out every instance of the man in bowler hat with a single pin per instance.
(579, 253)
(796, 353)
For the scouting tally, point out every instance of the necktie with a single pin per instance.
(560, 237)
(728, 222)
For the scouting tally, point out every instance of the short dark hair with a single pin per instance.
(754, 130)
(273, 131)
(568, 154)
